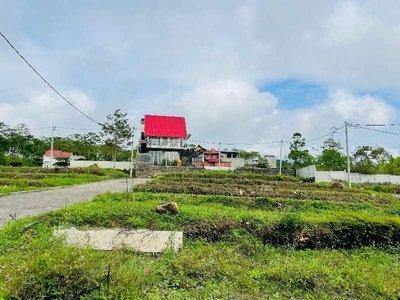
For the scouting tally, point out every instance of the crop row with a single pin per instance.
(227, 180)
(317, 229)
(255, 183)
(261, 191)
(222, 174)
(36, 176)
(28, 170)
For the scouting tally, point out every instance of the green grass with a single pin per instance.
(235, 246)
(28, 179)
(33, 265)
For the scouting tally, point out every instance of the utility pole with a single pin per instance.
(348, 156)
(133, 140)
(52, 146)
(280, 160)
(219, 156)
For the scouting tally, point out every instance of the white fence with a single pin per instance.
(120, 165)
(307, 172)
(329, 176)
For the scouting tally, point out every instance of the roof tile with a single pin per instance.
(165, 126)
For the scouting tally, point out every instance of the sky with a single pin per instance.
(243, 73)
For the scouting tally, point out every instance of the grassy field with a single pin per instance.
(245, 237)
(16, 179)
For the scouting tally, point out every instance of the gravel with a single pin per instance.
(19, 205)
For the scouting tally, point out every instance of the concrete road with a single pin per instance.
(33, 203)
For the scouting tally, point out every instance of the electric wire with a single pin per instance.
(47, 127)
(232, 144)
(332, 132)
(57, 132)
(71, 128)
(325, 135)
(378, 125)
(377, 130)
(58, 93)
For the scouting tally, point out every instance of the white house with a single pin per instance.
(57, 156)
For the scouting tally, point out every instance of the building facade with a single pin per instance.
(58, 156)
(163, 137)
(215, 158)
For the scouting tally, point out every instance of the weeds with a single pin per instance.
(13, 179)
(282, 245)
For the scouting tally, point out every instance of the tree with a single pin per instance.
(248, 154)
(331, 158)
(263, 163)
(331, 144)
(369, 160)
(300, 157)
(116, 131)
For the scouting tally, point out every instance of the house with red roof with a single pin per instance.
(58, 156)
(215, 158)
(164, 137)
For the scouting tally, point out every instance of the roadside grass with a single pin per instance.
(15, 179)
(334, 245)
(34, 265)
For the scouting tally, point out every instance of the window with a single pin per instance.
(157, 156)
(171, 156)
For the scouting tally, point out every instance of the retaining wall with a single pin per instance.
(329, 176)
(147, 171)
(120, 165)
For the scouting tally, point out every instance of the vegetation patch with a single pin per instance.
(15, 179)
(329, 244)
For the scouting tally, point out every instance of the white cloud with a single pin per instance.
(209, 57)
(226, 110)
(46, 109)
(348, 24)
(364, 109)
(236, 112)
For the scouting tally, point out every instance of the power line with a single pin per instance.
(40, 128)
(23, 58)
(378, 125)
(325, 135)
(57, 131)
(71, 128)
(377, 130)
(232, 144)
(332, 132)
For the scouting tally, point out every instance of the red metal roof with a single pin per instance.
(165, 126)
(58, 154)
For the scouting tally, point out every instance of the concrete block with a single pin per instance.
(110, 239)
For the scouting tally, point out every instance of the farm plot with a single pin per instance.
(236, 245)
(15, 179)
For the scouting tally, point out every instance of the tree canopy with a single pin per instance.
(298, 155)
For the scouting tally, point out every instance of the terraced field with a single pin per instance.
(246, 236)
(16, 179)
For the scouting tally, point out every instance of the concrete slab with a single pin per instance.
(110, 239)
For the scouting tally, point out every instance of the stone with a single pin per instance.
(112, 239)
(338, 185)
(167, 207)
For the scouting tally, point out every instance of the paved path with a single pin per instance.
(34, 203)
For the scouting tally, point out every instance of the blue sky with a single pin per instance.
(239, 72)
(294, 93)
